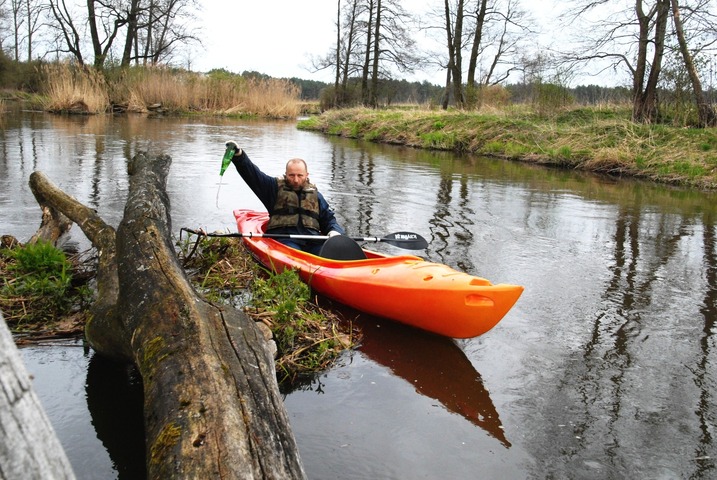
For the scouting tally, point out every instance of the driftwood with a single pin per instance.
(212, 403)
(29, 447)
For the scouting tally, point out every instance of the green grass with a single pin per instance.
(37, 285)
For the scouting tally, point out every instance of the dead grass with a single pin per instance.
(75, 89)
(84, 90)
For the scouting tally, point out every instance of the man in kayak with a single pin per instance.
(294, 204)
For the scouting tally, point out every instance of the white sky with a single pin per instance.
(279, 37)
(275, 37)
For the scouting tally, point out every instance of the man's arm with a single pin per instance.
(263, 185)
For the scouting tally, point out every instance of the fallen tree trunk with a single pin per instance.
(29, 447)
(212, 403)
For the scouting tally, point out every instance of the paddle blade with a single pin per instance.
(407, 240)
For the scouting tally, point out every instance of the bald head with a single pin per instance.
(297, 173)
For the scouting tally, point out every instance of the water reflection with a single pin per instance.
(451, 234)
(627, 384)
(704, 370)
(114, 399)
(436, 367)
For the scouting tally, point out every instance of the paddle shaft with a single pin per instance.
(408, 240)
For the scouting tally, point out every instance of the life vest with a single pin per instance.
(288, 210)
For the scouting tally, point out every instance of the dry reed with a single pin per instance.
(232, 95)
(144, 89)
(75, 89)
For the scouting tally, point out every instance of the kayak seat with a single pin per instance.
(341, 247)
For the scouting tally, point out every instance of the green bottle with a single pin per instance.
(228, 155)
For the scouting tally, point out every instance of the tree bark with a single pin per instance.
(475, 47)
(645, 102)
(454, 43)
(373, 88)
(707, 117)
(365, 96)
(212, 403)
(29, 447)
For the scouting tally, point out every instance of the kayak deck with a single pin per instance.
(404, 288)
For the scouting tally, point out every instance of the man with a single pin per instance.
(294, 204)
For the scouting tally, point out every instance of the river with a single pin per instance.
(605, 368)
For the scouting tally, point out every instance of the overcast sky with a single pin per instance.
(279, 37)
(274, 37)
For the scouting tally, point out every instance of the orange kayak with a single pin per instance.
(404, 288)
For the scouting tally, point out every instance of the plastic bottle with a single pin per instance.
(226, 160)
(228, 155)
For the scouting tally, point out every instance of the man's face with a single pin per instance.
(296, 175)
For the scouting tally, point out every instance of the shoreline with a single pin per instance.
(600, 140)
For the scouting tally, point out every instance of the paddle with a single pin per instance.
(407, 240)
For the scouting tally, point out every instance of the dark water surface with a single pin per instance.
(605, 368)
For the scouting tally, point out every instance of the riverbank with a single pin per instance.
(598, 139)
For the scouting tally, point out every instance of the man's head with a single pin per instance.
(297, 173)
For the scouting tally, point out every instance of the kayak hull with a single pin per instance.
(404, 288)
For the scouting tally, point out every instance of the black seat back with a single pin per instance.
(341, 247)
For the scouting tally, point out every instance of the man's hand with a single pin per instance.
(235, 146)
(333, 233)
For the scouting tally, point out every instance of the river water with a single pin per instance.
(605, 368)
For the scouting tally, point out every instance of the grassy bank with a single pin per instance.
(599, 139)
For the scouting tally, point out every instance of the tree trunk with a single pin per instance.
(29, 447)
(447, 90)
(365, 95)
(212, 403)
(373, 89)
(451, 53)
(455, 52)
(645, 102)
(706, 114)
(131, 33)
(338, 55)
(475, 47)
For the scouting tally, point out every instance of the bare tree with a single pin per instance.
(151, 29)
(109, 17)
(338, 52)
(634, 40)
(497, 32)
(376, 54)
(368, 32)
(454, 42)
(25, 19)
(346, 55)
(480, 16)
(169, 24)
(652, 28)
(705, 111)
(67, 38)
(387, 45)
(133, 13)
(373, 41)
(348, 50)
(489, 31)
